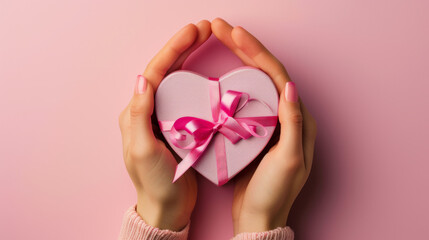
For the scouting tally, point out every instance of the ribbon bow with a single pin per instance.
(203, 131)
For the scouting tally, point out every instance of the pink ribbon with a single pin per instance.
(203, 131)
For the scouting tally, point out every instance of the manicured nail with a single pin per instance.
(290, 92)
(140, 85)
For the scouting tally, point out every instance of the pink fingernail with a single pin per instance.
(140, 86)
(290, 92)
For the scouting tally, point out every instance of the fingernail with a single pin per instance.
(290, 92)
(140, 86)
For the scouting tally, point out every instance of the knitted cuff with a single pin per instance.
(280, 233)
(135, 228)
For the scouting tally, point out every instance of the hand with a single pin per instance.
(264, 193)
(150, 164)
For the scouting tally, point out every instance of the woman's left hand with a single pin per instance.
(149, 162)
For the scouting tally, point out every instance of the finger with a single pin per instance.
(291, 121)
(141, 108)
(204, 32)
(172, 50)
(222, 30)
(260, 55)
(309, 136)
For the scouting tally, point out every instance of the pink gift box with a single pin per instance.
(217, 126)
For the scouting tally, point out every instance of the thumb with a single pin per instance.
(291, 120)
(141, 109)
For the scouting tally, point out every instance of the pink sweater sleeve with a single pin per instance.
(280, 233)
(135, 228)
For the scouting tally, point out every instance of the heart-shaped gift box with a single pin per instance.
(217, 126)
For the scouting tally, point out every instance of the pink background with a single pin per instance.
(67, 69)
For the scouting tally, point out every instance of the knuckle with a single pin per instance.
(136, 152)
(296, 118)
(135, 113)
(135, 110)
(153, 72)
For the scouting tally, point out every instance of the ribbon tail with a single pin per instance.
(190, 159)
(222, 167)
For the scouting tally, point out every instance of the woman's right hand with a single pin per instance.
(264, 193)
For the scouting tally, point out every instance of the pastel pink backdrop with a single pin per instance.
(67, 68)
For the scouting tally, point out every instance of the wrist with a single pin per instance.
(162, 216)
(258, 222)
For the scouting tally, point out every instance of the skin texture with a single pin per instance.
(260, 203)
